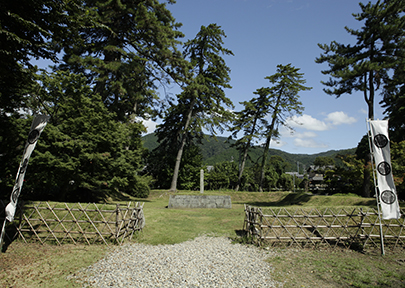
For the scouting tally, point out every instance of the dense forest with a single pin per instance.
(108, 60)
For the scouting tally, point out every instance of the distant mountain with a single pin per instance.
(220, 150)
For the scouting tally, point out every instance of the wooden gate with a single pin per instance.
(61, 223)
(331, 226)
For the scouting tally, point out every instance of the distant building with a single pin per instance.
(210, 168)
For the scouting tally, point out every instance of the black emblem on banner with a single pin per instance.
(380, 140)
(384, 168)
(15, 194)
(24, 166)
(388, 197)
(33, 136)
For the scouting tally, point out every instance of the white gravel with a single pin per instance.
(202, 262)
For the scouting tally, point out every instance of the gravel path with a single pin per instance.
(202, 262)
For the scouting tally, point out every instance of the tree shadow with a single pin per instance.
(288, 200)
(118, 196)
(9, 230)
(371, 202)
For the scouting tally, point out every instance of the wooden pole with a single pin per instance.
(117, 213)
(377, 194)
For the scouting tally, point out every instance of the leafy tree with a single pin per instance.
(84, 154)
(274, 174)
(398, 167)
(279, 164)
(395, 110)
(189, 174)
(249, 181)
(285, 182)
(161, 161)
(286, 83)
(323, 162)
(393, 93)
(202, 103)
(223, 176)
(271, 178)
(33, 29)
(13, 135)
(365, 65)
(251, 120)
(304, 184)
(345, 179)
(132, 48)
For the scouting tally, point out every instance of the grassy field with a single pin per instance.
(34, 265)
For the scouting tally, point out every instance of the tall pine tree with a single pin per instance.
(84, 154)
(252, 121)
(202, 103)
(286, 83)
(132, 48)
(365, 66)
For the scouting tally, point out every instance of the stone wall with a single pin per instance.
(199, 201)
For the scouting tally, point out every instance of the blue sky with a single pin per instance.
(265, 33)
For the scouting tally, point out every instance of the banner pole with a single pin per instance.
(375, 188)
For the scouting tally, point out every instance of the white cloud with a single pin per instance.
(305, 135)
(277, 143)
(306, 126)
(287, 133)
(308, 122)
(308, 143)
(339, 118)
(150, 125)
(363, 111)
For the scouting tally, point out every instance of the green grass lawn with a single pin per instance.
(34, 265)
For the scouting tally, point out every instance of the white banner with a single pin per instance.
(37, 126)
(387, 193)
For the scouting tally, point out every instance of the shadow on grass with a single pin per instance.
(288, 200)
(10, 230)
(120, 197)
(366, 203)
(300, 199)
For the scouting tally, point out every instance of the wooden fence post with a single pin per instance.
(117, 213)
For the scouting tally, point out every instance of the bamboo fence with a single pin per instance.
(355, 228)
(63, 223)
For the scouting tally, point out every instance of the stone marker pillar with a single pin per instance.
(201, 181)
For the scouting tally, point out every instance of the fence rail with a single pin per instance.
(332, 227)
(62, 223)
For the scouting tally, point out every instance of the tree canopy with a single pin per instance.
(113, 55)
(109, 59)
(366, 66)
(286, 83)
(252, 121)
(202, 102)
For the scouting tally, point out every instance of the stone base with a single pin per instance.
(199, 201)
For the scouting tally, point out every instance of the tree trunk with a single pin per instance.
(173, 186)
(264, 160)
(242, 166)
(268, 140)
(245, 153)
(367, 161)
